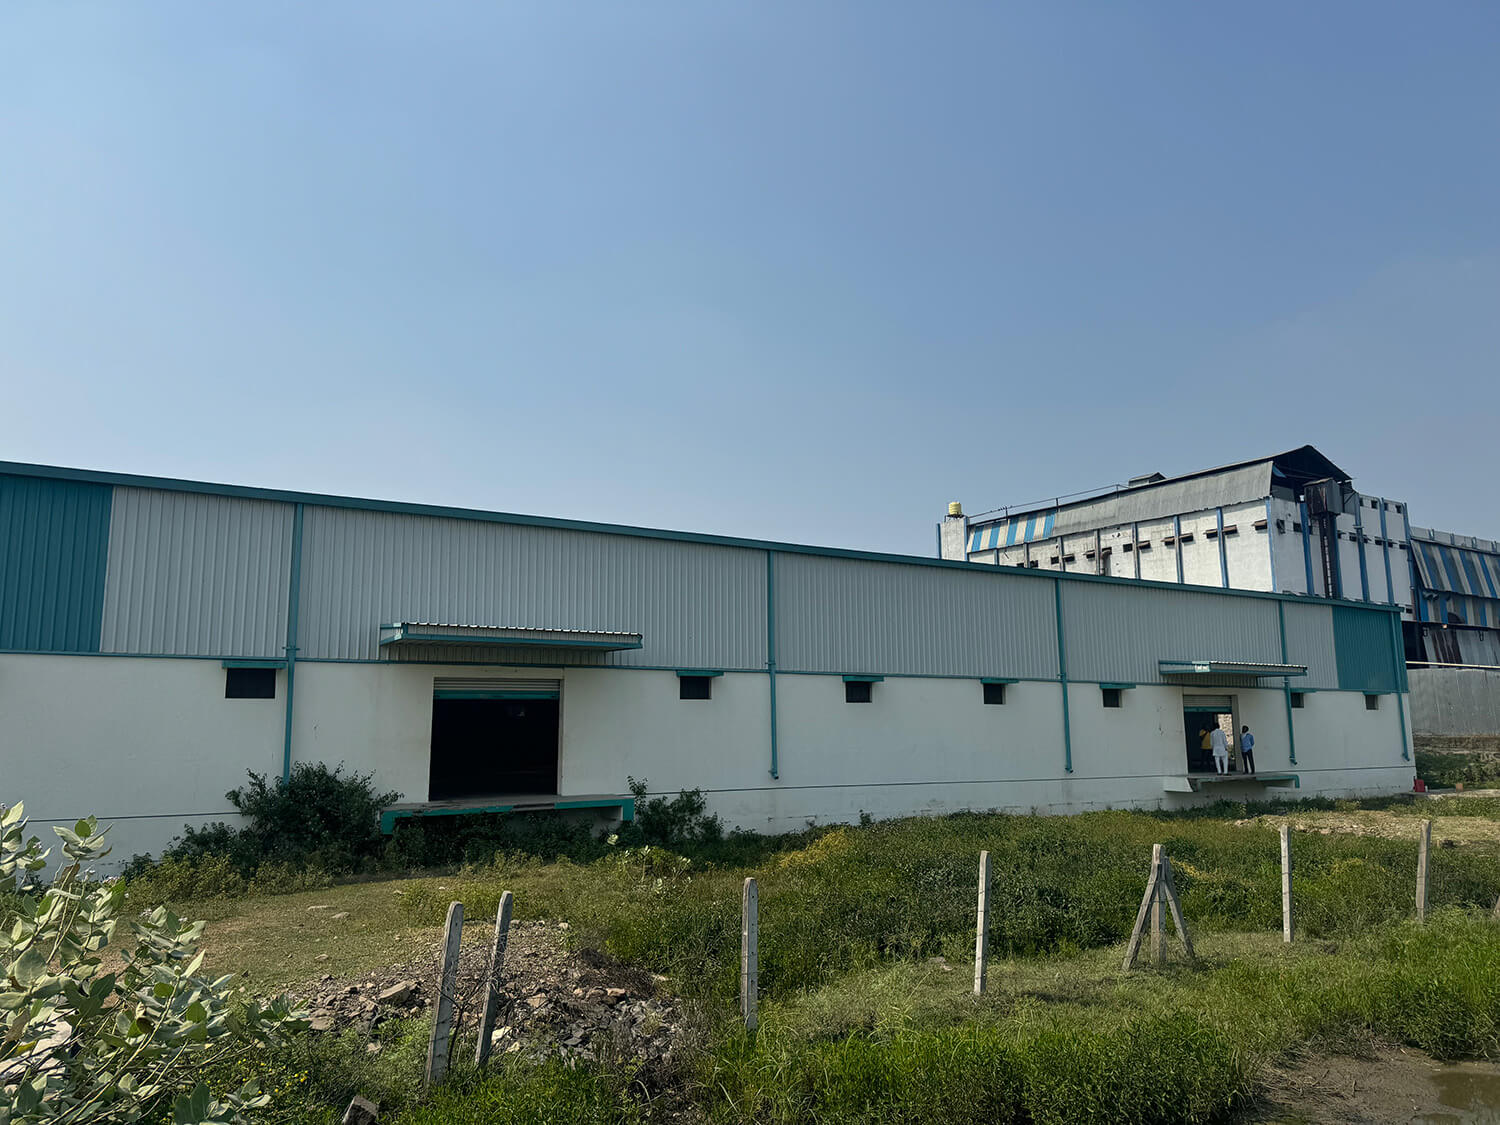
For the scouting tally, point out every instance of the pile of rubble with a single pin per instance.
(554, 1002)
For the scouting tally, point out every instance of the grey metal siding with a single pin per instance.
(1120, 633)
(1309, 640)
(842, 615)
(196, 575)
(697, 605)
(1455, 701)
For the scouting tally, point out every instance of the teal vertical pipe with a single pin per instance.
(1398, 661)
(771, 651)
(293, 598)
(1385, 553)
(1307, 547)
(1177, 543)
(1271, 549)
(1286, 683)
(1062, 679)
(1223, 553)
(1359, 538)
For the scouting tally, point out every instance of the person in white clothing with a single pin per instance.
(1220, 746)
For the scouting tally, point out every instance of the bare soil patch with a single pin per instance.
(1389, 1086)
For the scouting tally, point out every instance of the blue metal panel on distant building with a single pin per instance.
(54, 536)
(1362, 645)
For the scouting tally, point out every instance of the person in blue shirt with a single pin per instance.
(1247, 749)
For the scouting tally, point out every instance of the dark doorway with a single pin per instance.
(486, 747)
(1200, 715)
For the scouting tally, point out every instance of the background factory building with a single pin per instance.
(158, 638)
(1289, 523)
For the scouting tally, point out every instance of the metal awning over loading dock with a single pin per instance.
(430, 634)
(1227, 673)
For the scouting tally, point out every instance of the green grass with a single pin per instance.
(858, 897)
(859, 1025)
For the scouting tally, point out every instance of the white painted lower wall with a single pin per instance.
(152, 744)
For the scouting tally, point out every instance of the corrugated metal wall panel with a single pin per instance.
(1309, 640)
(698, 605)
(54, 536)
(843, 615)
(197, 575)
(1363, 642)
(1120, 633)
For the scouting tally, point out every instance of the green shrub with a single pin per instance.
(86, 1043)
(670, 822)
(320, 820)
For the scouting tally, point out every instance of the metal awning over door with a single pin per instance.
(1218, 704)
(493, 687)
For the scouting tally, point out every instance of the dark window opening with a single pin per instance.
(249, 683)
(1112, 696)
(857, 691)
(994, 694)
(695, 687)
(1297, 698)
(1128, 547)
(1372, 702)
(493, 747)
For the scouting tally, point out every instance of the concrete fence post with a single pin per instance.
(982, 925)
(442, 1027)
(1423, 843)
(750, 954)
(1158, 926)
(1286, 883)
(492, 981)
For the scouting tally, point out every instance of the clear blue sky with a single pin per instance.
(793, 270)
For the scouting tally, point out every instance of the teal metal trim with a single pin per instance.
(1286, 683)
(1223, 554)
(293, 603)
(131, 480)
(1359, 541)
(1177, 545)
(231, 662)
(1117, 687)
(863, 679)
(771, 653)
(1363, 653)
(1062, 677)
(54, 548)
(997, 680)
(388, 817)
(1398, 659)
(445, 693)
(697, 672)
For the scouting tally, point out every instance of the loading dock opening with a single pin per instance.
(1200, 714)
(492, 740)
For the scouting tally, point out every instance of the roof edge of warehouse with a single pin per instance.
(410, 508)
(1307, 463)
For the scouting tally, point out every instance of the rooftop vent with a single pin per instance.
(1149, 478)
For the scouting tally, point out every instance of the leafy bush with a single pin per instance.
(321, 819)
(83, 1044)
(670, 822)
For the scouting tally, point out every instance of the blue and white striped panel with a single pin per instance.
(1012, 533)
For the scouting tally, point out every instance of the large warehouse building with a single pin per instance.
(1291, 522)
(158, 638)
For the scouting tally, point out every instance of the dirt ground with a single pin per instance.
(1447, 831)
(1390, 1086)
